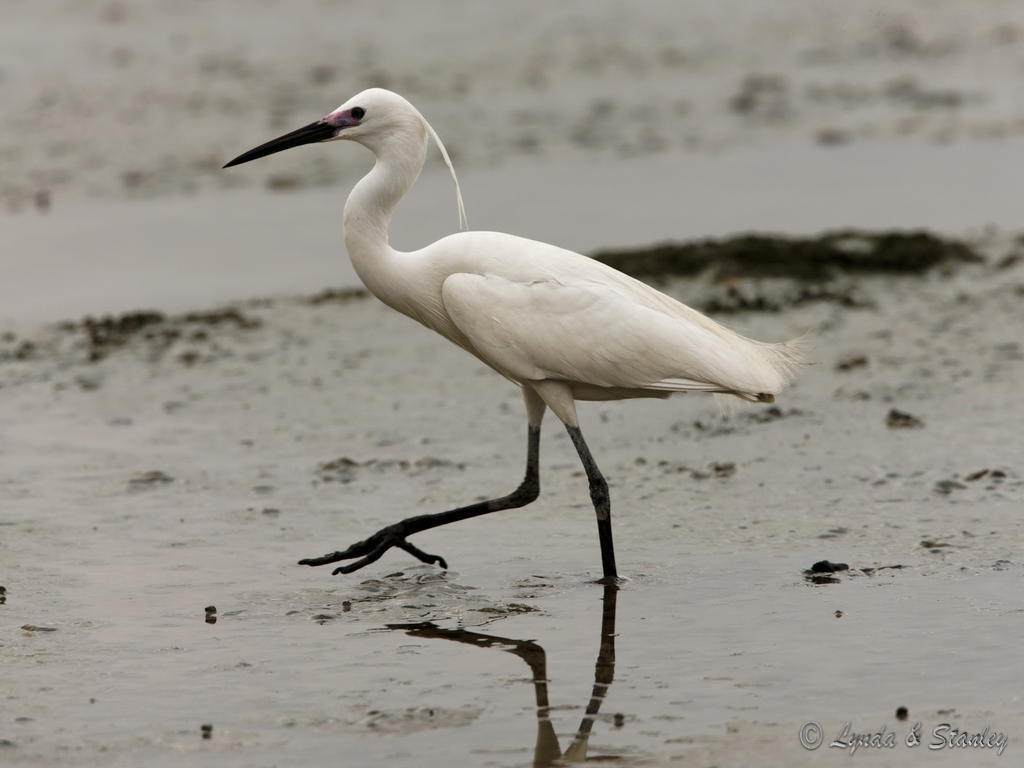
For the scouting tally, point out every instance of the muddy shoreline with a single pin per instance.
(171, 462)
(195, 392)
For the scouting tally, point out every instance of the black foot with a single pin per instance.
(371, 549)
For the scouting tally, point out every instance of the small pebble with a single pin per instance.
(946, 487)
(151, 479)
(723, 468)
(207, 730)
(619, 719)
(849, 362)
(901, 713)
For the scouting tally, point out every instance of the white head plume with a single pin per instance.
(463, 221)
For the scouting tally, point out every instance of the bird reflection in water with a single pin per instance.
(547, 751)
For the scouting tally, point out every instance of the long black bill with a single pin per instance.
(307, 134)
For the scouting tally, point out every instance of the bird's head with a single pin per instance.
(370, 117)
(375, 117)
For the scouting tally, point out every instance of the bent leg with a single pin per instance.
(371, 549)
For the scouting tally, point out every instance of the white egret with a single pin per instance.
(560, 325)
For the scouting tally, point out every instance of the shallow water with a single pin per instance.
(182, 253)
(717, 645)
(150, 484)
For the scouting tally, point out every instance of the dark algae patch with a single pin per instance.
(105, 334)
(821, 258)
(770, 273)
(345, 470)
(191, 338)
(336, 296)
(737, 299)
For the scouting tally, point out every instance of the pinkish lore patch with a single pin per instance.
(342, 119)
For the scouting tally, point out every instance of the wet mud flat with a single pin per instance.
(156, 466)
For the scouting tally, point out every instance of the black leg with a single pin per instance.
(371, 549)
(602, 505)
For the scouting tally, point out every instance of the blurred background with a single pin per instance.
(146, 98)
(589, 124)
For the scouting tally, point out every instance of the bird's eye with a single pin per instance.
(358, 112)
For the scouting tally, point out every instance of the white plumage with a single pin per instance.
(562, 326)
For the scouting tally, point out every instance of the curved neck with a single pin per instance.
(400, 159)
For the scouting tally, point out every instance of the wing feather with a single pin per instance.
(591, 333)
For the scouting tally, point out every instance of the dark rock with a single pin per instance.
(896, 419)
(825, 566)
(821, 572)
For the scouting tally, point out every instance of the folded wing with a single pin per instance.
(595, 334)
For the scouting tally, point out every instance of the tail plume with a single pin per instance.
(786, 358)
